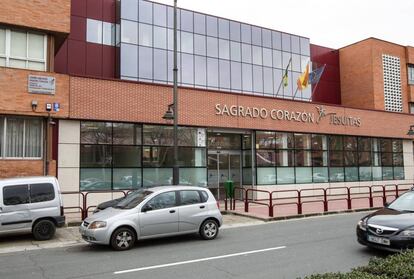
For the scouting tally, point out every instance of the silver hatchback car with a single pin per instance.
(154, 212)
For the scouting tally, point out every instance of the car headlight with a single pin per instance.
(97, 225)
(409, 232)
(362, 224)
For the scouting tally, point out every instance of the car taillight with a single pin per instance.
(62, 211)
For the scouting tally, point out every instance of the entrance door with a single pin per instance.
(223, 165)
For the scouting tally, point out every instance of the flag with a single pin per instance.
(303, 79)
(285, 75)
(316, 74)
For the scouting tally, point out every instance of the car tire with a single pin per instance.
(44, 230)
(122, 239)
(209, 229)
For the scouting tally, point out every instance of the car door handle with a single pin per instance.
(172, 211)
(202, 206)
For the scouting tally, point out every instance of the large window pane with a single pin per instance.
(94, 31)
(246, 33)
(303, 175)
(304, 46)
(18, 44)
(145, 34)
(256, 36)
(224, 28)
(387, 173)
(265, 140)
(267, 57)
(365, 173)
(212, 26)
(158, 135)
(126, 134)
(266, 176)
(200, 70)
(265, 158)
(335, 143)
(246, 53)
(93, 156)
(295, 44)
(126, 156)
(188, 136)
(376, 173)
(364, 144)
(199, 23)
(192, 157)
(145, 11)
(187, 68)
(160, 12)
(350, 158)
(199, 44)
(212, 47)
(277, 59)
(336, 174)
(108, 33)
(224, 68)
(276, 40)
(212, 72)
(285, 158)
(268, 81)
(160, 65)
(399, 173)
(224, 141)
(319, 158)
(95, 179)
(2, 41)
(267, 38)
(303, 158)
(397, 146)
(235, 51)
(193, 176)
(187, 42)
(129, 60)
(33, 138)
(36, 46)
(398, 159)
(336, 158)
(224, 49)
(96, 132)
(365, 158)
(351, 174)
(157, 156)
(257, 55)
(284, 140)
(286, 46)
(155, 177)
(385, 145)
(160, 37)
(247, 77)
(386, 159)
(127, 178)
(302, 141)
(285, 175)
(129, 32)
(236, 72)
(145, 62)
(14, 137)
(235, 31)
(320, 175)
(129, 9)
(319, 142)
(187, 20)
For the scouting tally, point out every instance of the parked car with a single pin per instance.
(31, 204)
(154, 212)
(390, 228)
(109, 203)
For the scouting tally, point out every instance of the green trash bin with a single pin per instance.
(229, 188)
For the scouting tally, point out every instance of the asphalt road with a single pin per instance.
(285, 249)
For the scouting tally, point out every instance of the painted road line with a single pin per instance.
(200, 260)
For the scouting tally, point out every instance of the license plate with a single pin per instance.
(379, 240)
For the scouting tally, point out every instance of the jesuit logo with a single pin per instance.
(287, 115)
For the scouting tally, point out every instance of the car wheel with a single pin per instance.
(44, 230)
(122, 239)
(209, 229)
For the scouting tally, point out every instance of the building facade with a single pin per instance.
(238, 120)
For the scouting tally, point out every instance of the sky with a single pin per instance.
(329, 23)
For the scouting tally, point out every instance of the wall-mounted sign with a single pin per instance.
(41, 84)
(56, 107)
(286, 115)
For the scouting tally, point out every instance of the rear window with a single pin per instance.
(204, 196)
(17, 194)
(41, 192)
(190, 197)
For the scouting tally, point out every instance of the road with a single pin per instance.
(284, 249)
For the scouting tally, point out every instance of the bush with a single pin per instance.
(398, 266)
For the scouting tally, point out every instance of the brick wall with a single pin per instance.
(138, 102)
(361, 71)
(15, 99)
(48, 15)
(13, 168)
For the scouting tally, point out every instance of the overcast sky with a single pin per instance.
(330, 23)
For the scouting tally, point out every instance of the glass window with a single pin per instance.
(2, 41)
(385, 145)
(350, 143)
(277, 59)
(200, 70)
(188, 136)
(41, 192)
(320, 175)
(265, 158)
(126, 156)
(387, 173)
(236, 83)
(285, 175)
(224, 141)
(365, 173)
(257, 55)
(277, 82)
(33, 138)
(212, 26)
(266, 176)
(129, 9)
(398, 159)
(285, 158)
(160, 65)
(386, 159)
(284, 140)
(199, 44)
(257, 79)
(145, 34)
(364, 144)
(224, 70)
(224, 28)
(187, 68)
(187, 44)
(145, 65)
(246, 53)
(126, 178)
(304, 46)
(246, 34)
(303, 175)
(247, 77)
(276, 40)
(224, 49)
(108, 33)
(161, 14)
(163, 200)
(37, 46)
(94, 31)
(335, 143)
(192, 157)
(186, 20)
(336, 158)
(129, 32)
(125, 133)
(145, 11)
(410, 71)
(351, 174)
(376, 173)
(265, 140)
(295, 44)
(193, 176)
(286, 46)
(267, 38)
(160, 37)
(157, 156)
(189, 197)
(267, 57)
(319, 158)
(157, 176)
(399, 173)
(158, 135)
(14, 137)
(302, 141)
(268, 81)
(94, 156)
(319, 142)
(18, 44)
(212, 72)
(350, 158)
(364, 158)
(212, 47)
(199, 23)
(256, 36)
(14, 195)
(129, 58)
(397, 146)
(235, 31)
(336, 174)
(303, 158)
(95, 179)
(296, 63)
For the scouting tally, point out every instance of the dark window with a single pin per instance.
(336, 158)
(189, 197)
(95, 156)
(335, 143)
(126, 156)
(204, 196)
(350, 143)
(364, 144)
(157, 156)
(96, 132)
(351, 159)
(164, 200)
(13, 195)
(126, 134)
(265, 158)
(41, 192)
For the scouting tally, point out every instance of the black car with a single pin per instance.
(390, 228)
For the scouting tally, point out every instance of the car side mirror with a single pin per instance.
(146, 208)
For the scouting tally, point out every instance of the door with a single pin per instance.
(14, 211)
(162, 218)
(192, 211)
(223, 166)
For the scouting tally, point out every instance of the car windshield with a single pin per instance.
(404, 203)
(133, 199)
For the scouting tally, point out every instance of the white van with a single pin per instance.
(31, 204)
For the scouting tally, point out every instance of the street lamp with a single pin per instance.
(411, 131)
(169, 114)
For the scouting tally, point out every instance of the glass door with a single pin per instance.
(223, 166)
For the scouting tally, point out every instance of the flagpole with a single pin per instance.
(287, 68)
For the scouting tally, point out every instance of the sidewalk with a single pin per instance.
(69, 236)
